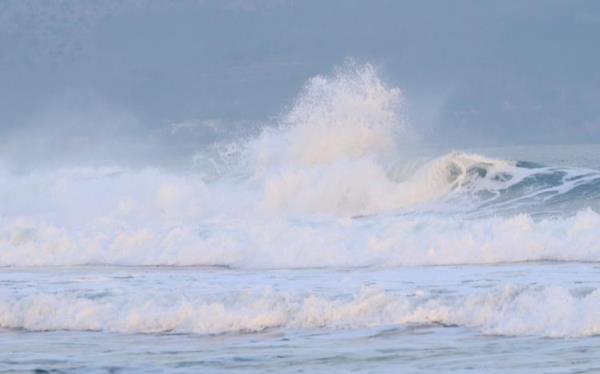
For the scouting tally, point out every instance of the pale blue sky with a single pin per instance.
(473, 72)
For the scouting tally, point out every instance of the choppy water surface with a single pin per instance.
(320, 244)
(539, 317)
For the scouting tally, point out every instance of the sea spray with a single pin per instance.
(317, 188)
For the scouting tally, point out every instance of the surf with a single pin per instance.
(328, 183)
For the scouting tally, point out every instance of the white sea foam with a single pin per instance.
(273, 242)
(508, 310)
(293, 196)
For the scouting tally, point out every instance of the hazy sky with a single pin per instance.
(98, 74)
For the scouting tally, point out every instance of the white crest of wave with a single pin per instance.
(336, 150)
(331, 158)
(365, 186)
(350, 115)
(167, 224)
(510, 310)
(329, 154)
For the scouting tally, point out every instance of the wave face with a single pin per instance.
(330, 184)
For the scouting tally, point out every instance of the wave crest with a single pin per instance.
(295, 197)
(509, 310)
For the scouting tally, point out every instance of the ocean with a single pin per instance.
(329, 241)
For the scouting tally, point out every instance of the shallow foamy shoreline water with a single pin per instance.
(74, 319)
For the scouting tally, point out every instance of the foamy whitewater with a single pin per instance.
(329, 241)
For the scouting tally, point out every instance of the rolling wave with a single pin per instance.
(505, 310)
(327, 185)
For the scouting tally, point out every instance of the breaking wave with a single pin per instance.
(509, 310)
(327, 185)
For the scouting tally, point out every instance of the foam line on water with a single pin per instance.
(508, 310)
(275, 243)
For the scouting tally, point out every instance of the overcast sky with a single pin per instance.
(79, 74)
